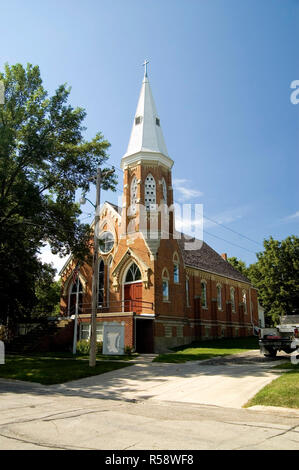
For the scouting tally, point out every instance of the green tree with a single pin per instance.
(44, 160)
(47, 292)
(239, 265)
(276, 276)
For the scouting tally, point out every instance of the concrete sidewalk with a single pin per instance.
(225, 382)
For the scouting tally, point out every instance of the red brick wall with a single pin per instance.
(176, 309)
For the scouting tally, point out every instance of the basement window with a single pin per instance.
(85, 331)
(168, 331)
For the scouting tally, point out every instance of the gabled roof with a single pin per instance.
(209, 260)
(116, 208)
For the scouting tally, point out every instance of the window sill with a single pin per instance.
(166, 301)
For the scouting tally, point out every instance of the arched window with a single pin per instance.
(150, 193)
(133, 196)
(219, 297)
(73, 297)
(101, 283)
(165, 285)
(176, 269)
(232, 299)
(164, 190)
(203, 294)
(187, 292)
(109, 264)
(133, 274)
(176, 273)
(74, 288)
(244, 300)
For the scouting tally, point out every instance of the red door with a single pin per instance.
(133, 297)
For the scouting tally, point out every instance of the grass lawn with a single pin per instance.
(283, 391)
(69, 355)
(52, 370)
(198, 351)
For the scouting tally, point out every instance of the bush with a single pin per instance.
(3, 333)
(83, 347)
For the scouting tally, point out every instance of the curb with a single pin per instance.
(275, 409)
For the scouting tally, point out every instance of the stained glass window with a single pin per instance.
(133, 274)
(106, 242)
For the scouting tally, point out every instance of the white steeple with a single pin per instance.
(146, 141)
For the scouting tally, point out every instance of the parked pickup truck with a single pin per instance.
(284, 337)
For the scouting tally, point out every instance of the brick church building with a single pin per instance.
(165, 293)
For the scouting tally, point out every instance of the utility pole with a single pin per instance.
(76, 317)
(95, 269)
(95, 275)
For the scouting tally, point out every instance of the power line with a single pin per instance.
(219, 223)
(227, 241)
(115, 167)
(143, 251)
(234, 231)
(228, 228)
(231, 243)
(206, 217)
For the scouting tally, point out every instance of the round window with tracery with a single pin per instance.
(106, 242)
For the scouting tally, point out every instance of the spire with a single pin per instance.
(146, 135)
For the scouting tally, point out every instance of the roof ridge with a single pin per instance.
(205, 262)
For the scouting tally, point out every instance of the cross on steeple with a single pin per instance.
(145, 65)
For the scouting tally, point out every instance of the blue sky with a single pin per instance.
(220, 72)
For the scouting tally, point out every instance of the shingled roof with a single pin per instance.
(209, 260)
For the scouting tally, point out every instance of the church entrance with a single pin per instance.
(133, 290)
(133, 297)
(144, 336)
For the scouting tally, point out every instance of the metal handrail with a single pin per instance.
(124, 306)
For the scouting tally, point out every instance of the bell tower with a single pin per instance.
(147, 173)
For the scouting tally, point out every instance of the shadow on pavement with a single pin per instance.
(143, 380)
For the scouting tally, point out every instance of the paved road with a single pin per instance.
(149, 406)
